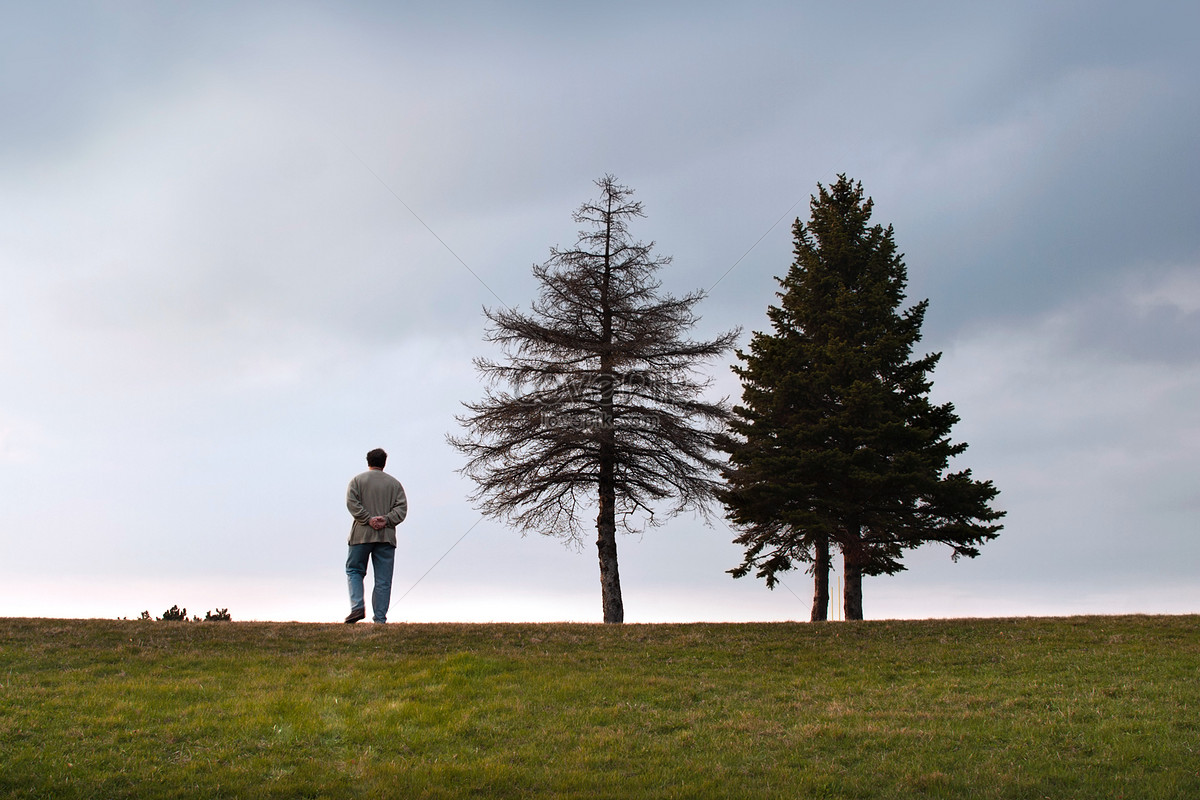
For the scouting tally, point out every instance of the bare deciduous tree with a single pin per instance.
(602, 404)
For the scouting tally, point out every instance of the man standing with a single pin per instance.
(376, 501)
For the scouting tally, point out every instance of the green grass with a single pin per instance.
(1086, 707)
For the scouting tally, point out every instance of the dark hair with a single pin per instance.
(377, 458)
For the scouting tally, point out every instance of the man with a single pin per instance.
(376, 501)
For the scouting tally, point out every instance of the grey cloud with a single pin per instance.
(207, 249)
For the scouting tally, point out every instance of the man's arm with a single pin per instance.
(399, 508)
(354, 503)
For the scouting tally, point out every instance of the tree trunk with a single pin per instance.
(606, 520)
(852, 560)
(820, 607)
(610, 576)
(606, 542)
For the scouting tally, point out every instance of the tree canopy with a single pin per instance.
(601, 400)
(836, 443)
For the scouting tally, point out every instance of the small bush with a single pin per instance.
(177, 614)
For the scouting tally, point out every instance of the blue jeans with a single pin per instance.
(383, 561)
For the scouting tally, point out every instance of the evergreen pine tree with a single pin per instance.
(836, 441)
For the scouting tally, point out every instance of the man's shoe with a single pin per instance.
(356, 615)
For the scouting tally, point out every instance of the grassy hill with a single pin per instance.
(1081, 707)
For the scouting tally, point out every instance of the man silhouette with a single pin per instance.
(376, 501)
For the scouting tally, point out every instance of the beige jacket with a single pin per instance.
(374, 493)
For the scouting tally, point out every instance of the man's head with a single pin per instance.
(377, 458)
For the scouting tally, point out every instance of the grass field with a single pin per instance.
(1081, 707)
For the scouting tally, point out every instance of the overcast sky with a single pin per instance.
(242, 244)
